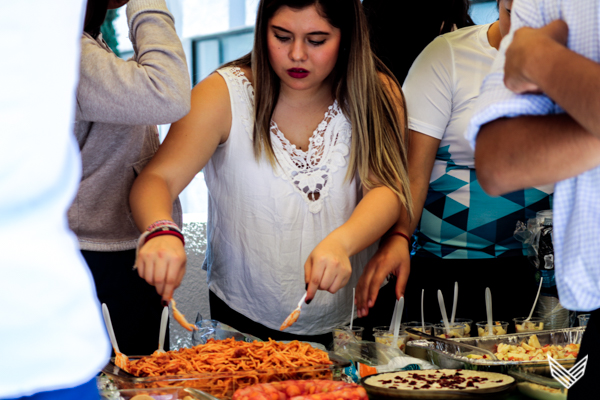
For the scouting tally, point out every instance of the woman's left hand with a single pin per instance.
(327, 267)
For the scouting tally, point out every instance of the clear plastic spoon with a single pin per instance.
(536, 299)
(398, 318)
(121, 360)
(488, 309)
(422, 310)
(163, 330)
(443, 310)
(352, 313)
(455, 302)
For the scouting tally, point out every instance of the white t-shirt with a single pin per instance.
(264, 222)
(51, 330)
(459, 219)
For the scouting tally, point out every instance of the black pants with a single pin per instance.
(587, 387)
(223, 313)
(135, 307)
(511, 281)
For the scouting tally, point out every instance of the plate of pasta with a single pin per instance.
(220, 367)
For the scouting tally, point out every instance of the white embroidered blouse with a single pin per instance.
(264, 222)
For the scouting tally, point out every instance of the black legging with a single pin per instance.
(135, 307)
(587, 387)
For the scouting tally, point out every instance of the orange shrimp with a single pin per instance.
(290, 320)
(179, 317)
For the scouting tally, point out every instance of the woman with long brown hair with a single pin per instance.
(302, 147)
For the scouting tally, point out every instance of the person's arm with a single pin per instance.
(152, 88)
(538, 60)
(429, 90)
(188, 147)
(521, 152)
(328, 265)
(527, 151)
(393, 255)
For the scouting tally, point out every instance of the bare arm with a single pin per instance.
(538, 61)
(328, 266)
(186, 150)
(522, 152)
(393, 255)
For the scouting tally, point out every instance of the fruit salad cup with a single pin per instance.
(388, 339)
(498, 328)
(456, 331)
(534, 324)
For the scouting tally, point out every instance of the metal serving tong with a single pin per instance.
(471, 349)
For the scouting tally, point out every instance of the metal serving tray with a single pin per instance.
(446, 355)
(224, 384)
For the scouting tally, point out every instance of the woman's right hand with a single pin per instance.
(161, 262)
(392, 257)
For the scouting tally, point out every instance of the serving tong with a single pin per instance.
(472, 349)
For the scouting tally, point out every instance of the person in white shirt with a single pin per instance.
(302, 148)
(53, 338)
(463, 235)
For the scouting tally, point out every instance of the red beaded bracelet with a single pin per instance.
(400, 234)
(163, 231)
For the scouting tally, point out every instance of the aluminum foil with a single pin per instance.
(453, 356)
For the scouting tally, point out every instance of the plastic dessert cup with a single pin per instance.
(468, 323)
(417, 326)
(343, 335)
(583, 319)
(498, 328)
(388, 339)
(534, 324)
(456, 331)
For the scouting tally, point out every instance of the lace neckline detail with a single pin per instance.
(315, 150)
(311, 172)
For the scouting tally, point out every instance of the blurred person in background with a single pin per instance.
(53, 338)
(418, 23)
(400, 30)
(119, 104)
(462, 234)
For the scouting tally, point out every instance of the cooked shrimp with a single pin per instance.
(290, 320)
(179, 317)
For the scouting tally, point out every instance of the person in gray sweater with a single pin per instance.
(119, 104)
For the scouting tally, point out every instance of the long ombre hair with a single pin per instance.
(378, 149)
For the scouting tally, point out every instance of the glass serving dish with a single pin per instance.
(168, 393)
(224, 384)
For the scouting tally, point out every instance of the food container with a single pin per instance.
(498, 328)
(534, 324)
(418, 326)
(452, 355)
(388, 339)
(468, 323)
(380, 329)
(583, 319)
(224, 384)
(456, 331)
(343, 334)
